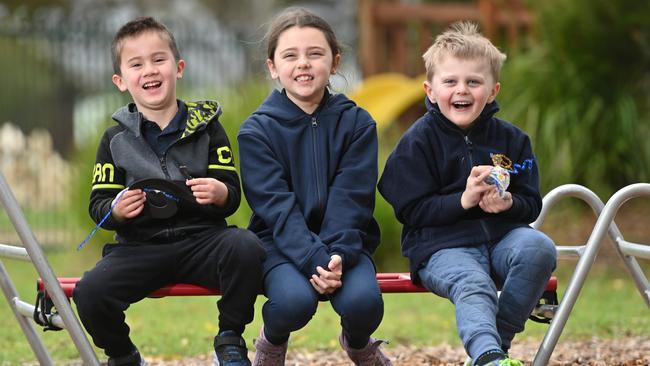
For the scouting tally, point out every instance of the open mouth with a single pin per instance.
(303, 78)
(461, 105)
(152, 85)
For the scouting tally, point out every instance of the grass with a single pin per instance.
(608, 306)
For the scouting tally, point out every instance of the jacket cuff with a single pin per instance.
(320, 258)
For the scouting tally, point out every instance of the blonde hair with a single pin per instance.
(464, 41)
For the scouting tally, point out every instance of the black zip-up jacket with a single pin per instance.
(427, 172)
(310, 180)
(124, 157)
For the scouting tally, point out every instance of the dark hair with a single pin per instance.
(134, 28)
(299, 17)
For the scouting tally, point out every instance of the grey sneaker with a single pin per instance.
(132, 359)
(267, 353)
(370, 355)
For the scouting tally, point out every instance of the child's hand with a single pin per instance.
(475, 187)
(130, 204)
(493, 202)
(208, 191)
(328, 281)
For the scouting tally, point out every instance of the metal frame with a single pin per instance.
(586, 253)
(37, 257)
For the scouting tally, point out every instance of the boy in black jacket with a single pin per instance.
(465, 231)
(164, 181)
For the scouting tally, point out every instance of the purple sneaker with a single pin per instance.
(267, 353)
(370, 355)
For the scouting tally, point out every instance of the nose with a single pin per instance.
(461, 88)
(303, 62)
(150, 68)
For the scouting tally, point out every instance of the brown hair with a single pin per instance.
(135, 27)
(299, 17)
(463, 40)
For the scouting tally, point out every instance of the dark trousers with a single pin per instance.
(292, 301)
(229, 259)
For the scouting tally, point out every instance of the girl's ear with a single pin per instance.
(272, 70)
(336, 62)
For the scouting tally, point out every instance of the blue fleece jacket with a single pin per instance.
(310, 180)
(427, 172)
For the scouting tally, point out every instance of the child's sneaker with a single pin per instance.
(370, 355)
(267, 353)
(132, 359)
(230, 350)
(494, 358)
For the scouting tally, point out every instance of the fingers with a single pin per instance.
(336, 264)
(130, 204)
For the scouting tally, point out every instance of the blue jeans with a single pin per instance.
(292, 301)
(520, 264)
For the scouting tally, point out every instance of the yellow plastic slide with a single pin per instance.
(387, 96)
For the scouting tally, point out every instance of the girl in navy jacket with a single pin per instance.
(309, 169)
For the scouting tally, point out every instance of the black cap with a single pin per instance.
(164, 197)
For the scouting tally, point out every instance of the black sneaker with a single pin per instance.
(132, 359)
(230, 350)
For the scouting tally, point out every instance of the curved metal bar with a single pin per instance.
(603, 224)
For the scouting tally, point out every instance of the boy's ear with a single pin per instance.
(180, 67)
(272, 70)
(494, 92)
(119, 83)
(429, 91)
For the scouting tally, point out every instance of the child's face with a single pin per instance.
(303, 63)
(461, 88)
(149, 72)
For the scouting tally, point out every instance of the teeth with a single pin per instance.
(461, 104)
(304, 78)
(151, 84)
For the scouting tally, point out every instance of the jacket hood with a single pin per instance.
(488, 112)
(198, 114)
(280, 108)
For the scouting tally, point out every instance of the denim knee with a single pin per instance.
(537, 250)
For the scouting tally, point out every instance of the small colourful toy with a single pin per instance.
(500, 177)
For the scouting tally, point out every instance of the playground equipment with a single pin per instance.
(55, 291)
(387, 96)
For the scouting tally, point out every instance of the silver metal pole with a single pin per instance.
(26, 324)
(10, 251)
(604, 222)
(45, 271)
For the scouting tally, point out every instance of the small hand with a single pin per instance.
(208, 191)
(493, 202)
(475, 186)
(326, 282)
(130, 205)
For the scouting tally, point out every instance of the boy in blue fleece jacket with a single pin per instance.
(463, 237)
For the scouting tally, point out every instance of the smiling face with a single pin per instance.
(303, 62)
(148, 70)
(461, 88)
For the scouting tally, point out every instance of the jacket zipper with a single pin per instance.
(314, 125)
(470, 149)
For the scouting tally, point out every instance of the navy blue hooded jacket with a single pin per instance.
(310, 180)
(427, 172)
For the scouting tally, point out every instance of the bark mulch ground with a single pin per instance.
(595, 352)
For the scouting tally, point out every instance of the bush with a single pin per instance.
(582, 93)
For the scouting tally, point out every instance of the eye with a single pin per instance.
(448, 81)
(289, 56)
(316, 53)
(473, 82)
(135, 65)
(159, 60)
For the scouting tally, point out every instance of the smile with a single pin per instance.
(152, 84)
